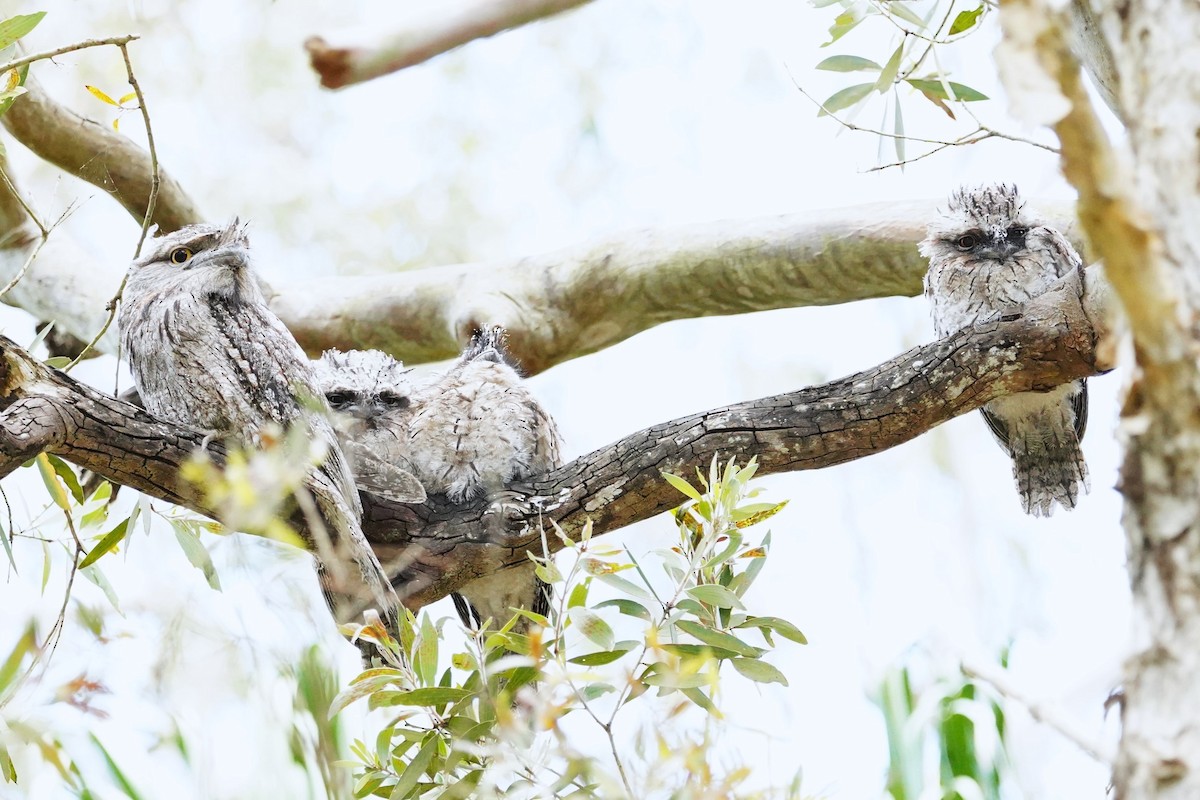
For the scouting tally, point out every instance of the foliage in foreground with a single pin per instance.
(946, 741)
(508, 716)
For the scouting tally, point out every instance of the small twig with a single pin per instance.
(119, 41)
(981, 133)
(933, 40)
(1048, 715)
(928, 48)
(853, 127)
(45, 237)
(23, 202)
(155, 177)
(8, 287)
(155, 182)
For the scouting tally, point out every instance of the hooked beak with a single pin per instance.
(1000, 248)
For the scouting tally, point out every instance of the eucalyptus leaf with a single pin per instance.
(848, 64)
(845, 98)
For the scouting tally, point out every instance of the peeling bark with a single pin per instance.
(1139, 216)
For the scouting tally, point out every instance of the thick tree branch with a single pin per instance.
(560, 305)
(345, 66)
(434, 548)
(97, 154)
(556, 306)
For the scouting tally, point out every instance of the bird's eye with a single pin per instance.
(180, 255)
(393, 400)
(1017, 233)
(340, 399)
(966, 242)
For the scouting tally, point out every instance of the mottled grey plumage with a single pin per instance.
(988, 255)
(207, 352)
(371, 394)
(463, 433)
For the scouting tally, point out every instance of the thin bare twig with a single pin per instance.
(118, 41)
(23, 202)
(928, 48)
(1048, 715)
(44, 231)
(155, 183)
(33, 254)
(980, 134)
(885, 12)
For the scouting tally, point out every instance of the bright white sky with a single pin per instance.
(621, 115)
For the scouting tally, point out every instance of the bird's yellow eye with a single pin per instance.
(180, 255)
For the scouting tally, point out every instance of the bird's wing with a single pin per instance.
(1080, 405)
(998, 428)
(382, 478)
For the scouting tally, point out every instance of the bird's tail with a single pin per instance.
(495, 596)
(1049, 468)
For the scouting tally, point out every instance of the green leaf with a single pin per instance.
(591, 626)
(57, 362)
(628, 587)
(68, 476)
(429, 696)
(50, 477)
(758, 671)
(368, 782)
(14, 28)
(197, 554)
(754, 513)
(781, 626)
(715, 595)
(848, 64)
(676, 680)
(965, 21)
(845, 98)
(45, 565)
(8, 670)
(902, 11)
(594, 690)
(548, 573)
(898, 129)
(886, 77)
(94, 575)
(701, 699)
(842, 24)
(579, 594)
(629, 608)
(427, 652)
(682, 485)
(698, 651)
(117, 774)
(5, 540)
(934, 88)
(106, 544)
(416, 768)
(6, 766)
(598, 659)
(718, 638)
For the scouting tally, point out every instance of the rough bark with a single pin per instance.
(345, 66)
(1154, 48)
(432, 549)
(1140, 218)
